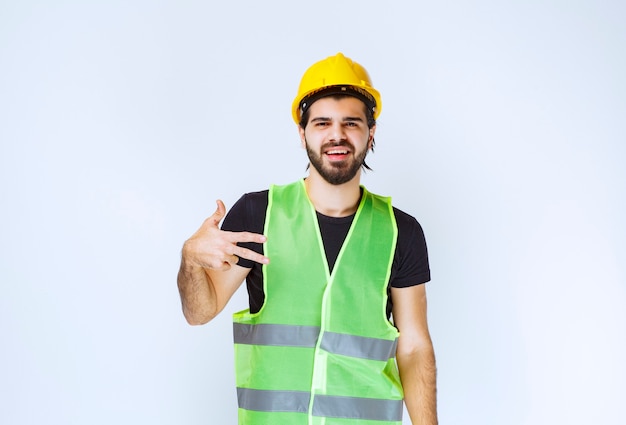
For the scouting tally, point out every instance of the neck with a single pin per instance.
(333, 200)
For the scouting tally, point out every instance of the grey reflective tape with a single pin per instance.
(273, 401)
(359, 346)
(357, 408)
(280, 335)
(323, 405)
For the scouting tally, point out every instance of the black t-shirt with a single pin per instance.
(410, 263)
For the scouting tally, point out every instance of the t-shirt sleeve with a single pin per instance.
(247, 215)
(411, 265)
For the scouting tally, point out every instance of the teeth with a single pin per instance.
(337, 152)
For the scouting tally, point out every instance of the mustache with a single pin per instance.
(341, 143)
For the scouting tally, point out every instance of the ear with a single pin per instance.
(302, 137)
(370, 141)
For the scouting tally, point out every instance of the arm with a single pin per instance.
(209, 274)
(415, 354)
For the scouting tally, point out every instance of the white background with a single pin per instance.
(503, 131)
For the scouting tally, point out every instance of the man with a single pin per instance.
(317, 345)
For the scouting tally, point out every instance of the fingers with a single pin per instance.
(237, 237)
(216, 249)
(234, 251)
(225, 261)
(248, 254)
(216, 260)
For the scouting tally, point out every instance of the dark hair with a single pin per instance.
(369, 116)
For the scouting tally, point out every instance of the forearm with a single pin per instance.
(197, 293)
(209, 274)
(418, 373)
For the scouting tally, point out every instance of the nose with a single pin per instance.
(337, 132)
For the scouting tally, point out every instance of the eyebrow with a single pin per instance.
(345, 119)
(353, 119)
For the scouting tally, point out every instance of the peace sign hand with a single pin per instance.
(216, 249)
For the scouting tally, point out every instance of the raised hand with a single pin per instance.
(215, 249)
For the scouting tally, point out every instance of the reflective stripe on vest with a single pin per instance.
(273, 401)
(306, 336)
(321, 350)
(324, 405)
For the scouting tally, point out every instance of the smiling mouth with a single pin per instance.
(337, 152)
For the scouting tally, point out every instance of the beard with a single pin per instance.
(336, 173)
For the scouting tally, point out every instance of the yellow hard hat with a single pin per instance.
(335, 75)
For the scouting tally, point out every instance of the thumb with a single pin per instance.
(219, 214)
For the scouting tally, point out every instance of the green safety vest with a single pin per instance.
(321, 350)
